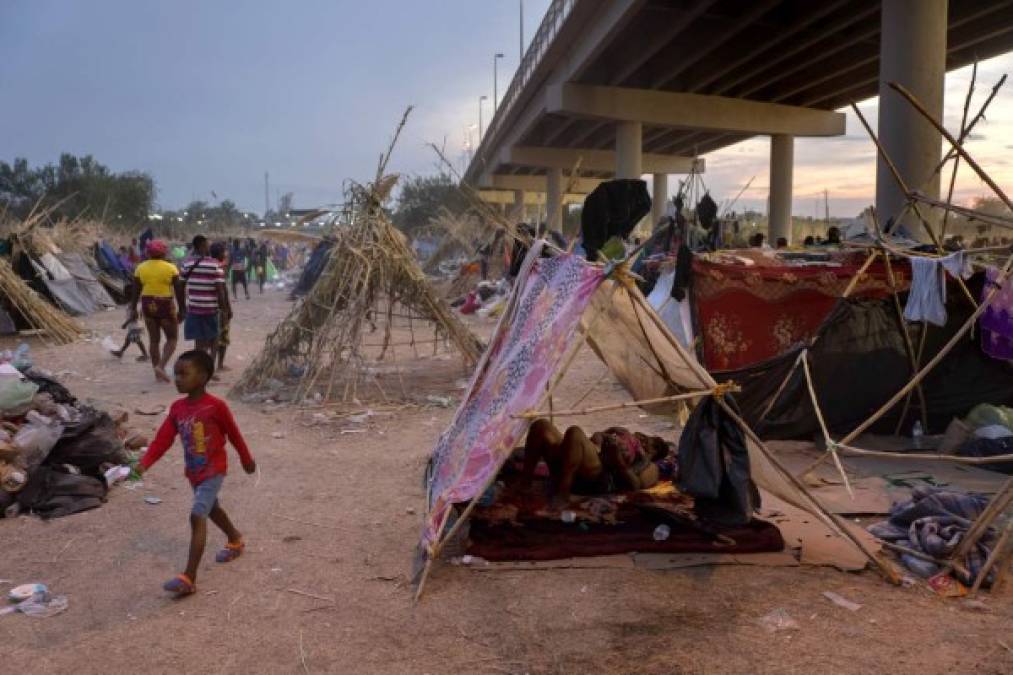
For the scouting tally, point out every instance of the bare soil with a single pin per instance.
(337, 515)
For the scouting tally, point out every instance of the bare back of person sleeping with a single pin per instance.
(613, 460)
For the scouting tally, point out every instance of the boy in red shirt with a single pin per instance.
(203, 422)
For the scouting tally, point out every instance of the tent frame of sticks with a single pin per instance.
(371, 280)
(772, 474)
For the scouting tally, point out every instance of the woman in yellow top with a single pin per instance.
(158, 287)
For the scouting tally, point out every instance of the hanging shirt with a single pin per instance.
(203, 426)
(927, 298)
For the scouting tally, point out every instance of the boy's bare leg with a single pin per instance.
(144, 352)
(221, 519)
(198, 539)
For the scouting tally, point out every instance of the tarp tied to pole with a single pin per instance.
(531, 342)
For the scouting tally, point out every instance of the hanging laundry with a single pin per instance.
(997, 320)
(927, 298)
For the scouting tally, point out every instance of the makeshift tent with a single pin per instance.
(369, 278)
(33, 311)
(753, 304)
(867, 334)
(557, 303)
(63, 276)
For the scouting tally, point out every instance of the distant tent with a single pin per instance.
(315, 265)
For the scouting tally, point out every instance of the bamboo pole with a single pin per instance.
(910, 551)
(956, 160)
(925, 456)
(862, 270)
(904, 188)
(908, 344)
(831, 449)
(995, 555)
(628, 404)
(782, 387)
(954, 142)
(916, 380)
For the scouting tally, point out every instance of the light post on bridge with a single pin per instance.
(495, 83)
(481, 99)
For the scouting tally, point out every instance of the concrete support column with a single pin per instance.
(912, 53)
(782, 160)
(629, 149)
(554, 199)
(517, 213)
(659, 202)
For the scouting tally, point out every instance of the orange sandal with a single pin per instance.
(180, 585)
(230, 552)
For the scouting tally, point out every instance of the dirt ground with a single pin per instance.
(337, 515)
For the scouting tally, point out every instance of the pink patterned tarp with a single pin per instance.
(527, 349)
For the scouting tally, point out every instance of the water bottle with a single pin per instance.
(916, 435)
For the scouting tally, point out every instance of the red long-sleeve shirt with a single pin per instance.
(202, 425)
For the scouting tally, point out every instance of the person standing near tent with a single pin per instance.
(158, 288)
(240, 260)
(205, 297)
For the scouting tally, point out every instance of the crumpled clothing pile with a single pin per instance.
(934, 521)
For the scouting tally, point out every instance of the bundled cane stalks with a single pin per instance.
(370, 277)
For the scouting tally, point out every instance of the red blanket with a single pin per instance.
(749, 313)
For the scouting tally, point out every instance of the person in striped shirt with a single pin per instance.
(206, 296)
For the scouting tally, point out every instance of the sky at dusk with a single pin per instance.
(208, 95)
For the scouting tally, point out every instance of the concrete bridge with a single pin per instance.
(636, 87)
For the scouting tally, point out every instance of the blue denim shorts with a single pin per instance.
(203, 327)
(205, 495)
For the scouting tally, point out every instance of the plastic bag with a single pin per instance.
(42, 605)
(778, 620)
(36, 438)
(16, 395)
(109, 344)
(985, 414)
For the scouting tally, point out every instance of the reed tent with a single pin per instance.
(368, 282)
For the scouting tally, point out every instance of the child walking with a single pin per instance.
(203, 423)
(133, 327)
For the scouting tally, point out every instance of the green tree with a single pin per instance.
(422, 197)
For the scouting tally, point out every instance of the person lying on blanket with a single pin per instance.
(613, 460)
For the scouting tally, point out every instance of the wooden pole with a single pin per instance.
(908, 344)
(925, 456)
(782, 387)
(823, 425)
(995, 555)
(916, 380)
(956, 160)
(954, 142)
(855, 279)
(627, 404)
(904, 187)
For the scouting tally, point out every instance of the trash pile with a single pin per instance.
(58, 456)
(34, 600)
(987, 431)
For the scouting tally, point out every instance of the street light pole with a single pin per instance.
(522, 32)
(495, 84)
(481, 99)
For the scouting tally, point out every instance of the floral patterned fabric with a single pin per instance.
(751, 306)
(527, 349)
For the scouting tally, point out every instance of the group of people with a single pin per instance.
(194, 294)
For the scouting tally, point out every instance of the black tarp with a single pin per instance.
(314, 267)
(613, 209)
(859, 361)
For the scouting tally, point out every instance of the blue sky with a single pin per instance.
(208, 95)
